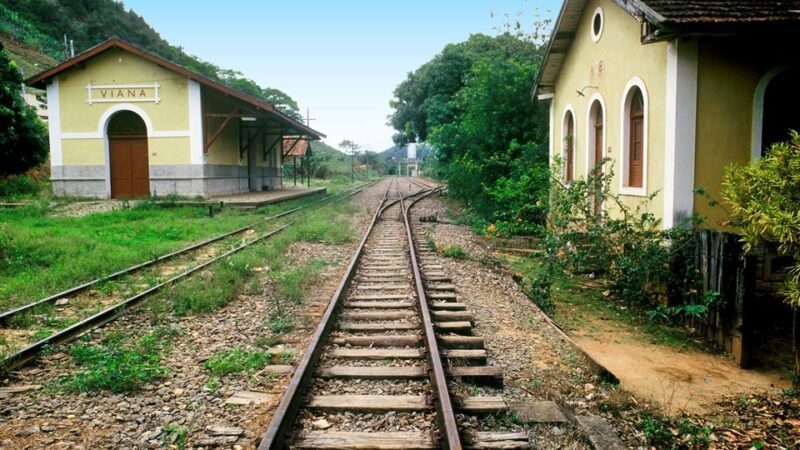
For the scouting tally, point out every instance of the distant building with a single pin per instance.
(412, 165)
(33, 100)
(126, 123)
(672, 91)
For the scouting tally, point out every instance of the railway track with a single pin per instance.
(104, 308)
(391, 350)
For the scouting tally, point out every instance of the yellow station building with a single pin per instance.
(125, 123)
(672, 92)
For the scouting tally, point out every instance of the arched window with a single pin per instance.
(595, 143)
(634, 139)
(568, 155)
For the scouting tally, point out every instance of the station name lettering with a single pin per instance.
(123, 93)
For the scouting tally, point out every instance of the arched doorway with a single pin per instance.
(781, 98)
(127, 149)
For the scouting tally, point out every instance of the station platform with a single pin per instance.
(256, 199)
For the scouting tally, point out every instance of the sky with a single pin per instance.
(339, 59)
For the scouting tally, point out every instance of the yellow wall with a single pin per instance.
(83, 152)
(609, 64)
(728, 72)
(115, 67)
(225, 149)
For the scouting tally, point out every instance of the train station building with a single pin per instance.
(125, 123)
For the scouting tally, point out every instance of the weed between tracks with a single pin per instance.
(119, 364)
(237, 360)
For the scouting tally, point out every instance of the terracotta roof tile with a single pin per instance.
(725, 11)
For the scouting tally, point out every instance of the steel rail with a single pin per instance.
(282, 421)
(115, 311)
(5, 315)
(446, 415)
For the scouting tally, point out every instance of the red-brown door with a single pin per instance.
(130, 170)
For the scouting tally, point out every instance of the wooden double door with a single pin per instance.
(130, 169)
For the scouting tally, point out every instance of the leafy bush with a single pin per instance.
(454, 252)
(23, 137)
(625, 242)
(19, 186)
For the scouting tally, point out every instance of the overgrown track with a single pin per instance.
(117, 309)
(6, 315)
(373, 375)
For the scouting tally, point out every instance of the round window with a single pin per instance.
(597, 24)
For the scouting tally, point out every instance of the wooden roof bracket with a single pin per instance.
(268, 151)
(219, 130)
(250, 140)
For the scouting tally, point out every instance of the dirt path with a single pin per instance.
(687, 380)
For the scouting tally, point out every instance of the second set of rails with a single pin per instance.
(115, 309)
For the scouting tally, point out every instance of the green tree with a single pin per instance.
(350, 148)
(765, 199)
(472, 104)
(23, 137)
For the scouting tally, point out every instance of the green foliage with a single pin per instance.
(454, 251)
(625, 242)
(16, 187)
(472, 104)
(290, 283)
(237, 360)
(176, 435)
(118, 365)
(23, 137)
(765, 199)
(672, 314)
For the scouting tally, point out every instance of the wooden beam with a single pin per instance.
(279, 140)
(220, 129)
(250, 140)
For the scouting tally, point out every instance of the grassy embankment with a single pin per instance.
(41, 254)
(116, 362)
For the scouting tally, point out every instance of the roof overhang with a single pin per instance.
(259, 106)
(560, 40)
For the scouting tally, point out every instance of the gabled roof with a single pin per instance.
(295, 147)
(294, 126)
(669, 19)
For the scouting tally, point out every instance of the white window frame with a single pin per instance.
(596, 36)
(624, 145)
(569, 108)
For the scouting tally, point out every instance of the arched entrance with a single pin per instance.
(780, 109)
(127, 149)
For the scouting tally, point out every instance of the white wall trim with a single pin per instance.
(54, 123)
(680, 131)
(155, 134)
(596, 36)
(571, 109)
(195, 123)
(596, 97)
(624, 132)
(758, 110)
(552, 137)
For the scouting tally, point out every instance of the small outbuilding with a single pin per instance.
(126, 123)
